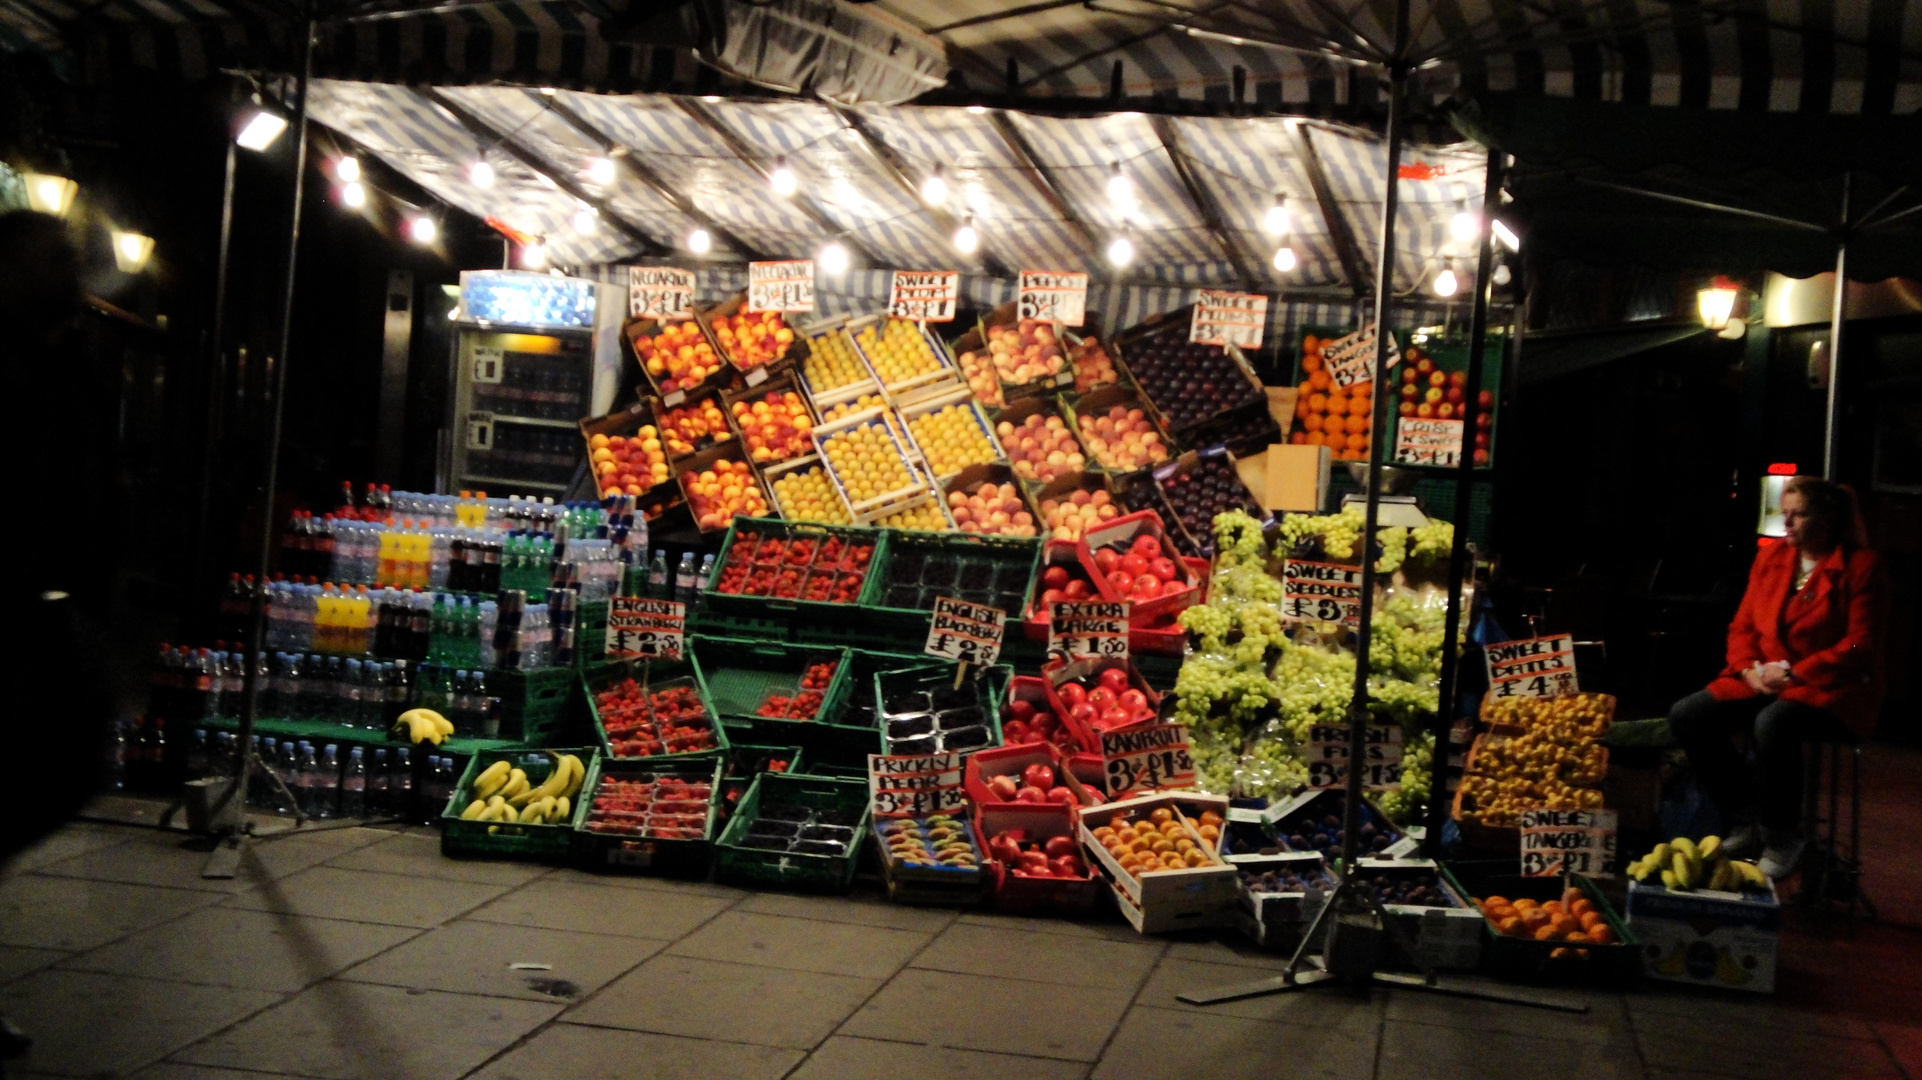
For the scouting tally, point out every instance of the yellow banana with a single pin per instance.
(1708, 847)
(580, 774)
(555, 784)
(473, 810)
(491, 779)
(1723, 879)
(419, 727)
(1686, 846)
(1668, 881)
(441, 723)
(563, 809)
(1661, 853)
(516, 786)
(1684, 871)
(1750, 873)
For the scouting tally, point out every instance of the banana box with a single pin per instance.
(1707, 937)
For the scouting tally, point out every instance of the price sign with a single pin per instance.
(640, 627)
(1324, 592)
(915, 785)
(966, 633)
(781, 286)
(1229, 318)
(1147, 757)
(924, 295)
(1532, 667)
(480, 431)
(1351, 359)
(1090, 628)
(488, 362)
(1328, 757)
(1557, 842)
(1048, 295)
(1422, 441)
(660, 292)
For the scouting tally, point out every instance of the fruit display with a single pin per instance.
(936, 841)
(1035, 784)
(775, 427)
(1041, 446)
(1408, 890)
(1189, 383)
(829, 570)
(994, 509)
(1573, 920)
(1330, 415)
(848, 408)
(978, 369)
(1028, 722)
(1160, 839)
(1555, 761)
(921, 717)
(1027, 352)
(665, 719)
(502, 794)
(953, 437)
(1200, 494)
(1074, 513)
(1106, 702)
(868, 463)
(1296, 877)
(721, 492)
(1142, 570)
(1324, 834)
(1570, 717)
(806, 494)
(677, 357)
(802, 830)
(805, 702)
(1093, 367)
(926, 517)
(628, 464)
(899, 353)
(1023, 855)
(651, 806)
(1682, 865)
(832, 364)
(1499, 803)
(1121, 438)
(423, 726)
(751, 339)
(1064, 580)
(696, 425)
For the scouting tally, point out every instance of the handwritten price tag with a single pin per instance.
(1147, 757)
(915, 785)
(1323, 592)
(924, 295)
(1090, 628)
(1351, 359)
(1048, 295)
(1420, 441)
(1229, 318)
(1532, 667)
(660, 292)
(781, 286)
(1555, 842)
(1328, 757)
(640, 627)
(966, 633)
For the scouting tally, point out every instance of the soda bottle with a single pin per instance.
(377, 798)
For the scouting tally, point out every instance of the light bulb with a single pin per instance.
(423, 230)
(584, 221)
(480, 174)
(1503, 275)
(1277, 220)
(977, 109)
(1121, 250)
(353, 195)
(1465, 226)
(1121, 190)
(1284, 259)
(601, 170)
(833, 257)
(534, 255)
(934, 189)
(261, 130)
(50, 194)
(966, 239)
(347, 169)
(782, 179)
(699, 242)
(453, 313)
(1445, 283)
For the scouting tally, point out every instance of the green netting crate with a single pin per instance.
(616, 838)
(536, 704)
(913, 569)
(758, 848)
(492, 839)
(758, 563)
(742, 675)
(744, 762)
(650, 742)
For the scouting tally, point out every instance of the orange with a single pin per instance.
(1337, 404)
(1361, 389)
(1602, 935)
(1304, 389)
(1546, 933)
(1577, 938)
(1335, 440)
(1570, 895)
(1311, 422)
(1299, 438)
(1590, 918)
(1310, 361)
(1553, 907)
(1314, 438)
(1580, 907)
(1496, 902)
(1525, 903)
(1317, 403)
(1566, 924)
(1510, 926)
(1311, 344)
(1301, 406)
(1357, 423)
(1319, 380)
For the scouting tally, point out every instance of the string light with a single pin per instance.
(585, 221)
(1445, 283)
(1284, 258)
(1121, 190)
(833, 257)
(966, 239)
(699, 242)
(782, 179)
(934, 189)
(534, 256)
(601, 170)
(347, 169)
(353, 195)
(480, 174)
(1465, 226)
(1502, 275)
(1277, 221)
(1121, 250)
(423, 229)
(50, 194)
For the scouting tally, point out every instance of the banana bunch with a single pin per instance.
(424, 725)
(1682, 865)
(503, 794)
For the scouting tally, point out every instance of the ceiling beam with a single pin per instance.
(1043, 183)
(1353, 267)
(652, 180)
(752, 159)
(562, 178)
(1206, 206)
(891, 163)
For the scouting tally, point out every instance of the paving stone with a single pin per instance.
(1225, 950)
(1606, 1019)
(88, 1024)
(1323, 1007)
(708, 999)
(251, 950)
(976, 1012)
(863, 911)
(1463, 1052)
(803, 945)
(843, 1058)
(1163, 1044)
(16, 961)
(68, 913)
(76, 838)
(176, 859)
(330, 892)
(1671, 1005)
(652, 882)
(576, 1052)
(179, 1070)
(603, 909)
(473, 957)
(1905, 1045)
(1758, 1051)
(1057, 958)
(419, 855)
(353, 1031)
(1105, 925)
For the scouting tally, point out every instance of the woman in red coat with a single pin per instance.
(1804, 664)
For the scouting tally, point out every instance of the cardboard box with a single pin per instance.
(1296, 478)
(1707, 937)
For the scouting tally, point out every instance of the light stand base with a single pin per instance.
(1302, 980)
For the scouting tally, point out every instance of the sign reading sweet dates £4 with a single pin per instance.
(781, 286)
(924, 295)
(915, 785)
(1147, 757)
(660, 292)
(1045, 295)
(1324, 592)
(1229, 318)
(1090, 628)
(1555, 842)
(640, 627)
(1328, 757)
(1532, 667)
(966, 633)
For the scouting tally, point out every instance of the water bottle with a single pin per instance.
(684, 579)
(117, 753)
(378, 803)
(353, 786)
(400, 784)
(326, 784)
(442, 789)
(306, 779)
(199, 755)
(657, 586)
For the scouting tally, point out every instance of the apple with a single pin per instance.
(1164, 569)
(1481, 457)
(1058, 846)
(1455, 395)
(1485, 399)
(1422, 363)
(1115, 679)
(1066, 866)
(1407, 408)
(1484, 420)
(1425, 410)
(1030, 794)
(1445, 411)
(1021, 710)
(1133, 699)
(1076, 590)
(1038, 775)
(1061, 793)
(1035, 862)
(1107, 560)
(1410, 391)
(1481, 440)
(1458, 378)
(1147, 547)
(1434, 394)
(1014, 731)
(1073, 694)
(1055, 577)
(1409, 374)
(1004, 788)
(1438, 378)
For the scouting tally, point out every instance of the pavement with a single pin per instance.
(363, 953)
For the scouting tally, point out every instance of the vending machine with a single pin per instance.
(523, 377)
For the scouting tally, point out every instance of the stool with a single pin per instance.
(1828, 876)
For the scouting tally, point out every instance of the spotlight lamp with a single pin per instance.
(481, 174)
(1445, 284)
(50, 194)
(260, 128)
(782, 179)
(1121, 250)
(1284, 258)
(601, 170)
(422, 229)
(131, 250)
(833, 257)
(1121, 189)
(1716, 302)
(347, 169)
(353, 195)
(1277, 221)
(966, 238)
(934, 189)
(1465, 227)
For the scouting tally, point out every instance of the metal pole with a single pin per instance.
(1834, 413)
(1384, 303)
(1447, 707)
(216, 366)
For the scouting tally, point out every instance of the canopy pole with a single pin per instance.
(216, 359)
(1384, 304)
(1446, 707)
(1834, 412)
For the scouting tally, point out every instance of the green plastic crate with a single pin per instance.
(856, 707)
(890, 684)
(755, 616)
(590, 633)
(998, 571)
(493, 840)
(536, 705)
(744, 762)
(739, 675)
(1527, 960)
(845, 802)
(651, 674)
(621, 853)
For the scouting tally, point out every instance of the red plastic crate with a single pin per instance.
(1063, 553)
(1058, 672)
(985, 765)
(1019, 892)
(1120, 533)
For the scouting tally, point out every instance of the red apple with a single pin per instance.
(1076, 590)
(1445, 411)
(1115, 679)
(1101, 698)
(1038, 776)
(1058, 846)
(1061, 793)
(1030, 794)
(1021, 710)
(1458, 378)
(1147, 547)
(1481, 457)
(1165, 569)
(1072, 694)
(1055, 577)
(1455, 395)
(1065, 866)
(1486, 399)
(1133, 699)
(1014, 731)
(1425, 409)
(1407, 408)
(1481, 440)
(1107, 559)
